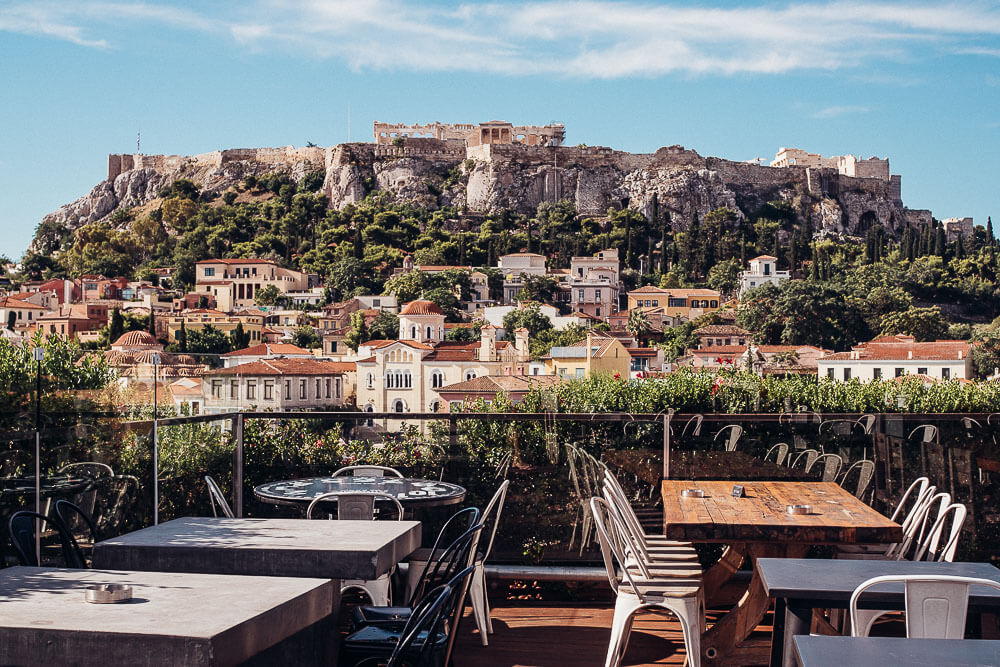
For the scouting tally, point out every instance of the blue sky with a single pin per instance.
(917, 82)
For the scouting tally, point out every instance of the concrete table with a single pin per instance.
(173, 619)
(271, 547)
(884, 651)
(411, 493)
(799, 585)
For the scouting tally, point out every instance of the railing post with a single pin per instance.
(238, 465)
(666, 443)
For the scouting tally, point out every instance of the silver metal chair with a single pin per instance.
(734, 431)
(804, 460)
(779, 450)
(831, 465)
(218, 499)
(367, 471)
(862, 471)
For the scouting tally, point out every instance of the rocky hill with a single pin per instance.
(672, 182)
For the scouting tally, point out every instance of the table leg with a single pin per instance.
(725, 642)
(722, 571)
(797, 620)
(778, 634)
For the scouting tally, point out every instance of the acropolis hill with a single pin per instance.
(486, 167)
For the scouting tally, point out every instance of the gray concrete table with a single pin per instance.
(411, 493)
(799, 585)
(271, 547)
(886, 651)
(173, 618)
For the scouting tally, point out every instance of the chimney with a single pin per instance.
(590, 344)
(67, 291)
(487, 343)
(521, 344)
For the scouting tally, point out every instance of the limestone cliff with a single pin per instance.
(432, 173)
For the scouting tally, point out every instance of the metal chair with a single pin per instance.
(919, 492)
(928, 433)
(577, 475)
(367, 471)
(861, 471)
(931, 547)
(112, 507)
(71, 518)
(696, 420)
(804, 460)
(477, 591)
(21, 529)
(936, 605)
(361, 507)
(831, 465)
(218, 499)
(90, 469)
(734, 433)
(678, 595)
(780, 451)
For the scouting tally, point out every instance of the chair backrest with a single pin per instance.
(457, 525)
(627, 532)
(612, 550)
(491, 516)
(572, 454)
(779, 450)
(931, 547)
(917, 489)
(803, 460)
(936, 605)
(831, 465)
(927, 433)
(916, 531)
(733, 431)
(356, 506)
(425, 620)
(866, 422)
(70, 516)
(21, 528)
(367, 471)
(218, 499)
(861, 471)
(503, 465)
(694, 424)
(459, 555)
(615, 494)
(90, 469)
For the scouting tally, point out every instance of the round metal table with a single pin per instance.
(411, 493)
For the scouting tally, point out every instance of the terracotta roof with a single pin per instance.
(721, 330)
(440, 267)
(649, 289)
(136, 339)
(719, 350)
(11, 302)
(494, 384)
(203, 311)
(368, 360)
(236, 261)
(451, 355)
(903, 348)
(642, 351)
(773, 259)
(287, 366)
(267, 349)
(421, 307)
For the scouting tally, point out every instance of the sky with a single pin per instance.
(917, 82)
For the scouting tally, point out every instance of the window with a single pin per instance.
(597, 294)
(435, 406)
(398, 405)
(899, 372)
(209, 272)
(337, 386)
(302, 389)
(216, 388)
(234, 389)
(318, 394)
(656, 302)
(413, 333)
(877, 373)
(580, 295)
(714, 304)
(767, 268)
(676, 303)
(470, 375)
(328, 392)
(598, 313)
(288, 390)
(945, 373)
(430, 332)
(847, 374)
(251, 389)
(376, 303)
(370, 381)
(268, 390)
(437, 379)
(829, 373)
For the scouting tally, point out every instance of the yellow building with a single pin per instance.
(683, 303)
(596, 354)
(199, 318)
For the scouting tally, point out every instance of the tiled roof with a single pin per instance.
(215, 282)
(451, 355)
(721, 330)
(266, 349)
(773, 259)
(11, 302)
(287, 366)
(649, 289)
(421, 307)
(235, 261)
(905, 349)
(719, 350)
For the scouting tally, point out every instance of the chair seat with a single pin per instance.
(384, 617)
(374, 641)
(682, 588)
(679, 571)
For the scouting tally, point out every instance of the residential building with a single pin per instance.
(96, 287)
(646, 360)
(684, 304)
(593, 283)
(762, 271)
(380, 302)
(401, 375)
(597, 354)
(766, 359)
(70, 320)
(252, 321)
(25, 313)
(265, 351)
(895, 356)
(278, 384)
(656, 319)
(234, 283)
(515, 266)
(722, 335)
(488, 387)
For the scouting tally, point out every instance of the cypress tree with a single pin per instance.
(989, 231)
(939, 242)
(152, 322)
(814, 269)
(182, 338)
(116, 327)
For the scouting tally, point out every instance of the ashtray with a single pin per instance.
(693, 493)
(799, 509)
(108, 593)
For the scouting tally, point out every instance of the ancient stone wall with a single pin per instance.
(286, 155)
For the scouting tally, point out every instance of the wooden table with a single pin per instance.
(887, 651)
(173, 619)
(800, 585)
(758, 526)
(647, 465)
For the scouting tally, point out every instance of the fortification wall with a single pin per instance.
(449, 150)
(286, 155)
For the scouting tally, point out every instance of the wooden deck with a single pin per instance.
(571, 634)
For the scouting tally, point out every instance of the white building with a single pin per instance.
(517, 265)
(895, 356)
(278, 384)
(265, 351)
(763, 271)
(593, 283)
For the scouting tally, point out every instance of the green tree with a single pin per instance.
(924, 324)
(208, 340)
(637, 323)
(530, 318)
(116, 327)
(306, 337)
(724, 277)
(267, 295)
(11, 319)
(385, 326)
(240, 337)
(358, 333)
(537, 288)
(182, 339)
(803, 313)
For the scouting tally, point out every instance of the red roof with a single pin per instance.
(421, 307)
(288, 366)
(904, 348)
(11, 302)
(268, 349)
(236, 261)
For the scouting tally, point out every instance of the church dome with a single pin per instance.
(421, 307)
(136, 339)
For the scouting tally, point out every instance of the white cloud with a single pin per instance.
(586, 38)
(842, 110)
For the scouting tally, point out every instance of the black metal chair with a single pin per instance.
(423, 638)
(21, 527)
(112, 509)
(72, 518)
